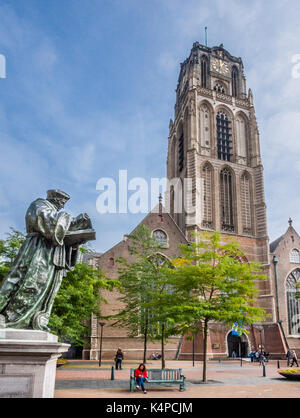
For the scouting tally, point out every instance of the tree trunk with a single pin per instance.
(205, 350)
(145, 339)
(163, 362)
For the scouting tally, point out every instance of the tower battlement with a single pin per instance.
(213, 69)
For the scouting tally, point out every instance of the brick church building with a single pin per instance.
(214, 142)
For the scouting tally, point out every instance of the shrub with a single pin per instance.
(290, 371)
(61, 362)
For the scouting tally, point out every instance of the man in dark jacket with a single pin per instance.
(119, 358)
(289, 357)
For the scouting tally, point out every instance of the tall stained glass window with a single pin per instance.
(226, 200)
(293, 303)
(224, 136)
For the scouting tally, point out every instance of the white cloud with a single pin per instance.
(52, 136)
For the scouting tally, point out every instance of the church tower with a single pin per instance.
(216, 183)
(214, 143)
(214, 158)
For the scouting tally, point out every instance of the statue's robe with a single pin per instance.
(29, 290)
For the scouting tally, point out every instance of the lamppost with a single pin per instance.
(279, 321)
(101, 335)
(275, 262)
(194, 351)
(260, 330)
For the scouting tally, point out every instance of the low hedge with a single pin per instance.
(60, 362)
(290, 374)
(290, 371)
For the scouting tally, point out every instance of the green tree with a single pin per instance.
(79, 295)
(9, 249)
(163, 325)
(212, 283)
(78, 298)
(141, 277)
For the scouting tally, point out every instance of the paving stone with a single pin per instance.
(226, 379)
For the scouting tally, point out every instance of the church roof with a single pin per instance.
(155, 211)
(275, 243)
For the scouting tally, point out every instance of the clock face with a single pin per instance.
(220, 66)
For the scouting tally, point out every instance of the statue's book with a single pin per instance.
(79, 237)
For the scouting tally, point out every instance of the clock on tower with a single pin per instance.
(220, 66)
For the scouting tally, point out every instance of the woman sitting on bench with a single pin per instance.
(141, 376)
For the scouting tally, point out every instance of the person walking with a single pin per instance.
(141, 376)
(252, 355)
(262, 359)
(289, 357)
(119, 358)
(294, 359)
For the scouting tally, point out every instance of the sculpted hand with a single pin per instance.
(84, 216)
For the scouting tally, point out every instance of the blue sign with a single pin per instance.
(237, 328)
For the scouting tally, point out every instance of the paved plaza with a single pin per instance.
(226, 379)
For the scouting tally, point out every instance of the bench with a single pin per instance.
(166, 377)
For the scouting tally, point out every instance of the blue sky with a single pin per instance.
(90, 90)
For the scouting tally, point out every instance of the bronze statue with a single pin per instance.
(48, 253)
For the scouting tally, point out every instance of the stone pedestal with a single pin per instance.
(28, 363)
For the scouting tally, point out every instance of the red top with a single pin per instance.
(140, 373)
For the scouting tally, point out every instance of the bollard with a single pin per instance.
(112, 373)
(278, 364)
(264, 370)
(241, 361)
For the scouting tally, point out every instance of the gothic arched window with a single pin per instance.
(293, 303)
(207, 210)
(295, 256)
(172, 203)
(204, 72)
(173, 158)
(162, 261)
(246, 204)
(235, 82)
(224, 136)
(219, 88)
(226, 201)
(181, 152)
(205, 125)
(161, 237)
(241, 135)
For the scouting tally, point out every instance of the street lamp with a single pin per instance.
(194, 351)
(101, 335)
(260, 329)
(275, 262)
(279, 321)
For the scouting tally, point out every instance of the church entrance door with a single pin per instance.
(237, 345)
